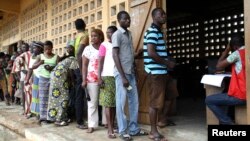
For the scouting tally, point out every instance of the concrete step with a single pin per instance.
(190, 126)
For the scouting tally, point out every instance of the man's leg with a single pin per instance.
(157, 96)
(133, 105)
(170, 98)
(215, 103)
(23, 95)
(79, 105)
(121, 95)
(3, 84)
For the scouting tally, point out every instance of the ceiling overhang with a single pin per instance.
(10, 6)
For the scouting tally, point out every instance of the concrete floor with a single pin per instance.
(190, 120)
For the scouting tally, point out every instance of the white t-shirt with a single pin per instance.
(108, 66)
(35, 71)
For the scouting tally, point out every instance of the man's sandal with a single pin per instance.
(157, 138)
(140, 133)
(126, 137)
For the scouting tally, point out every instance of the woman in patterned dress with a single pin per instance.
(60, 81)
(107, 81)
(46, 62)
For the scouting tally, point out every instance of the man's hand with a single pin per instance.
(125, 82)
(170, 64)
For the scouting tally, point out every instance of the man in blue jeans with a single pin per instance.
(237, 88)
(123, 55)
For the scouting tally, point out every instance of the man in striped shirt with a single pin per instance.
(156, 64)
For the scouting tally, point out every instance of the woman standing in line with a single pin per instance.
(46, 62)
(106, 81)
(90, 76)
(37, 50)
(61, 80)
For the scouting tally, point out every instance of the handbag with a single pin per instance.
(18, 93)
(87, 94)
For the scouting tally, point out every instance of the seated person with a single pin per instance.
(237, 88)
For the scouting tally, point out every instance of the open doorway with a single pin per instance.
(197, 33)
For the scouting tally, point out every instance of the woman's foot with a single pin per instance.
(29, 115)
(61, 123)
(111, 136)
(90, 130)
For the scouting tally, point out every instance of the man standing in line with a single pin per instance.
(81, 41)
(123, 55)
(156, 64)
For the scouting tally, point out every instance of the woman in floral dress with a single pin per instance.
(60, 81)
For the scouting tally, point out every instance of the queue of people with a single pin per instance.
(58, 89)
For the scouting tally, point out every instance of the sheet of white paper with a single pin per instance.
(214, 79)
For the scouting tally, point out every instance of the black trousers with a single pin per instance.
(80, 99)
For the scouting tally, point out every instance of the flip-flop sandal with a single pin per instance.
(126, 137)
(81, 126)
(90, 130)
(157, 138)
(140, 133)
(115, 130)
(169, 123)
(61, 123)
(160, 138)
(111, 136)
(69, 120)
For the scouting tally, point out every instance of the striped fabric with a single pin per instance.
(25, 60)
(154, 36)
(28, 98)
(16, 65)
(43, 85)
(35, 108)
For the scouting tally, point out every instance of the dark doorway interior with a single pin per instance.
(197, 32)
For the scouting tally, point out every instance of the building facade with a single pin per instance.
(40, 20)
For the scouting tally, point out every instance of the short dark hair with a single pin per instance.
(113, 28)
(237, 40)
(119, 15)
(153, 13)
(2, 54)
(80, 24)
(48, 43)
(7, 56)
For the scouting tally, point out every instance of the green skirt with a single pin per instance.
(107, 93)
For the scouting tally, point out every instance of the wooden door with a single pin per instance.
(247, 44)
(140, 12)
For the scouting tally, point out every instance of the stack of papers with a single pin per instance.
(214, 79)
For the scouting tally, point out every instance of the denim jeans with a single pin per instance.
(133, 105)
(216, 103)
